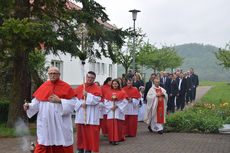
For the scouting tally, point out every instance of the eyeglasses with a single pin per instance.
(53, 73)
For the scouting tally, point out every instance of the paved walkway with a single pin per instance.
(146, 142)
(200, 91)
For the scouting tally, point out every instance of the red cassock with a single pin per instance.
(160, 108)
(88, 135)
(116, 127)
(64, 91)
(53, 149)
(131, 119)
(103, 122)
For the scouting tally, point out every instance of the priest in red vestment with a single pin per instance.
(115, 103)
(131, 112)
(155, 114)
(87, 115)
(54, 102)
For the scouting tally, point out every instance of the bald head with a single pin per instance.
(54, 74)
(156, 82)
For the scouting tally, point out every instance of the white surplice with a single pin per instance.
(141, 110)
(119, 112)
(92, 110)
(54, 122)
(132, 107)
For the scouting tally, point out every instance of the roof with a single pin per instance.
(106, 24)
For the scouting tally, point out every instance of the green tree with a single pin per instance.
(223, 55)
(124, 54)
(25, 25)
(158, 59)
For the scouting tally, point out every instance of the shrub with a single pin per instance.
(201, 117)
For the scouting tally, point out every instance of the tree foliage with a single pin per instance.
(158, 59)
(25, 25)
(223, 55)
(124, 54)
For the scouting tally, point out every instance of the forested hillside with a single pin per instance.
(201, 58)
(204, 62)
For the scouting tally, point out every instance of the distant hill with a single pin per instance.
(201, 58)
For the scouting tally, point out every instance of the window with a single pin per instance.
(59, 65)
(92, 67)
(102, 68)
(110, 70)
(98, 68)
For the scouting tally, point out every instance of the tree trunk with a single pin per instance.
(126, 70)
(20, 90)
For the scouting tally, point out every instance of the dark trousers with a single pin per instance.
(188, 96)
(194, 93)
(180, 102)
(171, 105)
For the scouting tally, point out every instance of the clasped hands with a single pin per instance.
(54, 99)
(159, 94)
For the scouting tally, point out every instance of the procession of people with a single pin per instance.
(115, 108)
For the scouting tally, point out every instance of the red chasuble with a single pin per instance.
(59, 88)
(92, 88)
(132, 92)
(160, 108)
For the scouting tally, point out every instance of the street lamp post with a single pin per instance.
(134, 14)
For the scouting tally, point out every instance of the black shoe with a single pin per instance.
(110, 142)
(115, 143)
(160, 132)
(80, 150)
(150, 130)
(121, 140)
(88, 151)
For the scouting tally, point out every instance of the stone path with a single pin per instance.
(200, 91)
(146, 142)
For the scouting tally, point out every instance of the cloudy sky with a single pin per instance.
(175, 22)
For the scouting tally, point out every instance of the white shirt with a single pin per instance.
(92, 110)
(179, 87)
(119, 112)
(54, 122)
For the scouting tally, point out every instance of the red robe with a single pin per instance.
(103, 122)
(88, 135)
(131, 120)
(160, 108)
(116, 127)
(62, 90)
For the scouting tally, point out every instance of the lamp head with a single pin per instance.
(134, 13)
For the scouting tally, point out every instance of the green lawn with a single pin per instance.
(219, 93)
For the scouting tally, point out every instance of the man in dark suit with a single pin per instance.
(189, 87)
(149, 85)
(173, 92)
(195, 83)
(182, 89)
(165, 82)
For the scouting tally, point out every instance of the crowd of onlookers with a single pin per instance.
(180, 86)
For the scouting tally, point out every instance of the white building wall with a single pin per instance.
(71, 71)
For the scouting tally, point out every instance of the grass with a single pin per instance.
(220, 91)
(10, 132)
